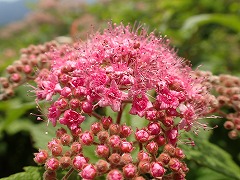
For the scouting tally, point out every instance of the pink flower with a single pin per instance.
(72, 119)
(121, 66)
(53, 114)
(113, 97)
(140, 104)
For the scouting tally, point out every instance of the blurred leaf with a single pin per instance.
(205, 173)
(31, 173)
(133, 120)
(36, 173)
(192, 24)
(14, 109)
(211, 156)
(19, 125)
(42, 134)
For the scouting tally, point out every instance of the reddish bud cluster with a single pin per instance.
(24, 69)
(228, 89)
(114, 152)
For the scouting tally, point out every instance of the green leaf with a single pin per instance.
(133, 120)
(192, 24)
(30, 173)
(14, 109)
(205, 173)
(42, 134)
(36, 173)
(211, 156)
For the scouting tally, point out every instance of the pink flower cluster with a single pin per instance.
(121, 66)
(116, 67)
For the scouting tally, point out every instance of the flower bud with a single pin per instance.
(103, 136)
(174, 164)
(143, 156)
(126, 158)
(16, 77)
(74, 104)
(96, 128)
(66, 92)
(41, 157)
(114, 129)
(52, 164)
(129, 171)
(168, 148)
(60, 132)
(65, 162)
(168, 121)
(87, 107)
(152, 147)
(102, 151)
(114, 158)
(228, 125)
(115, 142)
(144, 167)
(126, 147)
(154, 128)
(142, 136)
(114, 174)
(56, 150)
(102, 166)
(151, 115)
(125, 131)
(61, 103)
(76, 132)
(78, 162)
(88, 172)
(11, 69)
(66, 139)
(164, 158)
(184, 167)
(179, 175)
(27, 69)
(233, 134)
(86, 138)
(179, 153)
(49, 175)
(76, 148)
(53, 143)
(160, 140)
(106, 122)
(157, 170)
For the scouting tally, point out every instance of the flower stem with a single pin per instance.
(68, 174)
(119, 116)
(96, 115)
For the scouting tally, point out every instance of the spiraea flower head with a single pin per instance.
(122, 66)
(116, 66)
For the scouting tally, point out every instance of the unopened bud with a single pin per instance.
(106, 122)
(52, 164)
(66, 139)
(114, 174)
(114, 158)
(129, 171)
(102, 166)
(88, 172)
(65, 162)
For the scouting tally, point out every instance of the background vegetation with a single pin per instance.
(205, 32)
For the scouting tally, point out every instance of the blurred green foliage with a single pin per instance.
(205, 32)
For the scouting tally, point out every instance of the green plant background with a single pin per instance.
(205, 32)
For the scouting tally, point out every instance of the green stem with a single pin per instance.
(68, 174)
